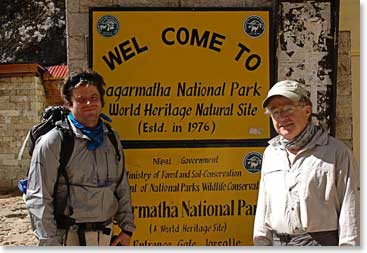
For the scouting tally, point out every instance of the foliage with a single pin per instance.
(32, 31)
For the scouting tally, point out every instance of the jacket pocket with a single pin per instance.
(318, 182)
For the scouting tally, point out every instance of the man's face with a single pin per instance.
(86, 105)
(289, 117)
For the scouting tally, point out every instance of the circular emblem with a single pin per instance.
(252, 162)
(254, 26)
(107, 26)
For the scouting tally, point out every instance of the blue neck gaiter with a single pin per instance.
(95, 134)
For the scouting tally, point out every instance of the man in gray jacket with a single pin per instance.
(98, 188)
(309, 188)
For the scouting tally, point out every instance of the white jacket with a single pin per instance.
(318, 192)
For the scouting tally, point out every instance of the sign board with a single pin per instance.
(183, 75)
(184, 91)
(194, 197)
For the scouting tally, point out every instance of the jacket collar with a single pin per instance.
(77, 132)
(320, 138)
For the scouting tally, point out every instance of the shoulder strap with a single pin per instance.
(66, 150)
(67, 146)
(113, 140)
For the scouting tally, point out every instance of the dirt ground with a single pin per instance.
(15, 227)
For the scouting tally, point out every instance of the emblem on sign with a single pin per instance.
(252, 162)
(254, 26)
(107, 26)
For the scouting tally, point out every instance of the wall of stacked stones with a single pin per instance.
(344, 115)
(22, 99)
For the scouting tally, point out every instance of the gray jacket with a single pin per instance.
(99, 189)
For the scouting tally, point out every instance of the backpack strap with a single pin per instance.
(66, 150)
(113, 140)
(67, 147)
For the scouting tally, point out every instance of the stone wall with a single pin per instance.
(343, 117)
(22, 99)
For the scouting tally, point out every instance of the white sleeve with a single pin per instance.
(348, 187)
(261, 235)
(41, 180)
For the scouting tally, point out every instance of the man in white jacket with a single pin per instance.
(309, 190)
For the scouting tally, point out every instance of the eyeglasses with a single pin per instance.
(288, 109)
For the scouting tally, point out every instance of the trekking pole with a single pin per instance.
(21, 151)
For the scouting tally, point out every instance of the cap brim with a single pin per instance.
(288, 94)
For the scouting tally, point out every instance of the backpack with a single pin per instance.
(55, 116)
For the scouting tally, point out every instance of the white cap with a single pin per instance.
(287, 88)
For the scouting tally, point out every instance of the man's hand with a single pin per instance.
(123, 239)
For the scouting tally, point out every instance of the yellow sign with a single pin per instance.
(195, 197)
(184, 75)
